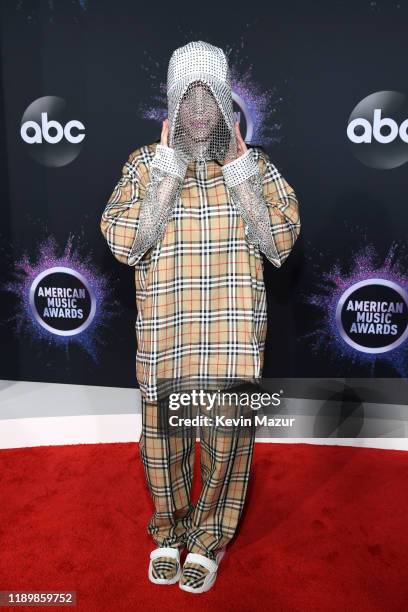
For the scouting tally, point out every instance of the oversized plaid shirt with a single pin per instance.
(200, 293)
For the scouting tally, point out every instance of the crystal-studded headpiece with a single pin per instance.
(199, 96)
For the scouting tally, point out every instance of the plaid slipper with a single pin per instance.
(199, 572)
(164, 566)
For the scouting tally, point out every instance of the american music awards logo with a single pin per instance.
(372, 315)
(62, 301)
(362, 314)
(61, 298)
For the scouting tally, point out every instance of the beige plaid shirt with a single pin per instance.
(200, 293)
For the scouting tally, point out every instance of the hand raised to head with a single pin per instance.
(164, 133)
(237, 145)
(242, 148)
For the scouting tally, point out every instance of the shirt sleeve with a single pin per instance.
(141, 203)
(267, 203)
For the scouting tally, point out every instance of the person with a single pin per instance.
(194, 214)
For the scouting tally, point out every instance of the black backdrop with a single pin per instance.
(105, 58)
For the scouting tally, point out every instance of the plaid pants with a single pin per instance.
(226, 457)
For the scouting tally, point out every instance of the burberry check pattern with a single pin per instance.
(165, 568)
(201, 305)
(226, 456)
(193, 575)
(200, 294)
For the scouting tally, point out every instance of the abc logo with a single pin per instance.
(50, 135)
(377, 130)
(42, 132)
(374, 131)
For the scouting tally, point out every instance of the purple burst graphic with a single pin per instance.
(27, 270)
(363, 265)
(261, 106)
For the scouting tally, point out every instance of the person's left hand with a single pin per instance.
(242, 148)
(237, 146)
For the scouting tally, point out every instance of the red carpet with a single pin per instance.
(325, 528)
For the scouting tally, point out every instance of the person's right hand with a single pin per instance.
(164, 133)
(164, 140)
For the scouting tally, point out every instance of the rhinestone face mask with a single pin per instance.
(201, 127)
(200, 110)
(200, 131)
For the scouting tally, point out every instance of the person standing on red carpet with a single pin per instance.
(193, 215)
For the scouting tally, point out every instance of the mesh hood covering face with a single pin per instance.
(200, 110)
